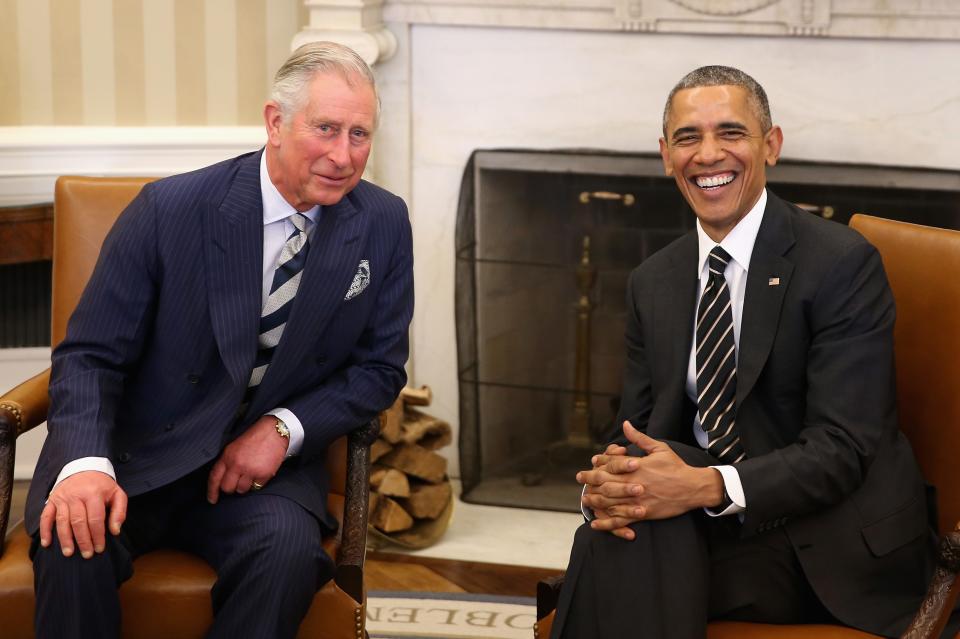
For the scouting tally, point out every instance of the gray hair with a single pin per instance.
(717, 75)
(306, 61)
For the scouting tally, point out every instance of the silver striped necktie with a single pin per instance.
(717, 364)
(276, 311)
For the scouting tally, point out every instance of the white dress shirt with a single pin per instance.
(277, 227)
(739, 245)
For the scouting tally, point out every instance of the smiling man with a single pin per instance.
(240, 319)
(761, 475)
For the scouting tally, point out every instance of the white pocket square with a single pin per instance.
(360, 280)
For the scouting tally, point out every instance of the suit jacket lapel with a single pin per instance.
(234, 262)
(335, 252)
(767, 280)
(673, 326)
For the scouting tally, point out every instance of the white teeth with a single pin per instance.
(716, 180)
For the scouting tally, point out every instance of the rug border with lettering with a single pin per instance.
(403, 615)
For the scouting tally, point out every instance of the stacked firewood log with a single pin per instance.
(410, 494)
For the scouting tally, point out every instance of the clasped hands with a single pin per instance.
(622, 490)
(79, 504)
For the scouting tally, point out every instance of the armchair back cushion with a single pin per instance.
(84, 210)
(923, 264)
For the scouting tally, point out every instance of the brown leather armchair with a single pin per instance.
(169, 594)
(921, 263)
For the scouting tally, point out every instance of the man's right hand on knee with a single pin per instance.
(78, 506)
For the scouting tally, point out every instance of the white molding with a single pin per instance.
(32, 157)
(877, 19)
(357, 24)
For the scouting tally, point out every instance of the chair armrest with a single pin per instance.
(25, 406)
(353, 538)
(935, 610)
(21, 409)
(548, 594)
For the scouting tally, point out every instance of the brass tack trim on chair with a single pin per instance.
(16, 413)
(536, 630)
(358, 615)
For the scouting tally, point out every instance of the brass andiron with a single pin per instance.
(579, 436)
(576, 449)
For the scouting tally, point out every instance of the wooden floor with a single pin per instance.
(392, 571)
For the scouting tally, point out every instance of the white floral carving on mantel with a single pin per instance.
(741, 17)
(724, 7)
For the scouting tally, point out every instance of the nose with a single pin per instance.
(339, 152)
(711, 150)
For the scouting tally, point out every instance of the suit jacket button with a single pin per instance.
(169, 427)
(193, 379)
(124, 458)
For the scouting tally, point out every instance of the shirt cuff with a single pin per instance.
(296, 430)
(100, 464)
(587, 512)
(731, 483)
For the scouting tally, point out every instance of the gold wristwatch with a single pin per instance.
(282, 429)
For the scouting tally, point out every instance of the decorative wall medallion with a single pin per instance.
(724, 7)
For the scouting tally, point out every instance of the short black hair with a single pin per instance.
(717, 75)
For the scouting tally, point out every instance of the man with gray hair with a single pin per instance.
(761, 475)
(240, 319)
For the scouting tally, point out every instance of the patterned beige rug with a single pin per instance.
(417, 615)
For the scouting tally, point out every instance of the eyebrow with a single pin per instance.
(723, 126)
(684, 130)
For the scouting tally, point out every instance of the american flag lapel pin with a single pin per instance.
(773, 281)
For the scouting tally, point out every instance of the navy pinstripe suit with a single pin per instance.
(160, 348)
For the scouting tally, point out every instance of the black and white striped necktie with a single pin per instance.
(717, 364)
(286, 281)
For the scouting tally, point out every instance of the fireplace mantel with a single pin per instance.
(897, 19)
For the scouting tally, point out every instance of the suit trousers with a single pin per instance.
(679, 573)
(266, 550)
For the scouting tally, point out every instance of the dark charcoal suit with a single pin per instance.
(159, 350)
(829, 480)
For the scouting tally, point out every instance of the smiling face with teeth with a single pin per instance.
(716, 150)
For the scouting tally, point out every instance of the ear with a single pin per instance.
(273, 119)
(773, 143)
(665, 156)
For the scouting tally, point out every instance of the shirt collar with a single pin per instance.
(276, 208)
(738, 242)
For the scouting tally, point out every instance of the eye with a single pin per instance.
(732, 134)
(325, 129)
(359, 135)
(685, 140)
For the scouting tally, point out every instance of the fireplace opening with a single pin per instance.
(545, 242)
